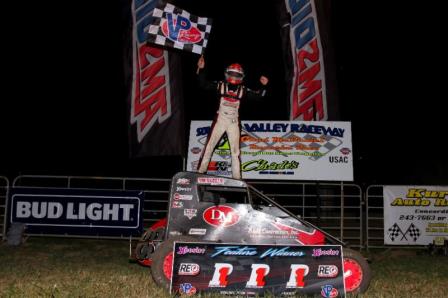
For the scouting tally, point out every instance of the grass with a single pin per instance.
(55, 267)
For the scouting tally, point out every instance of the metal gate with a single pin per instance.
(374, 217)
(4, 189)
(334, 207)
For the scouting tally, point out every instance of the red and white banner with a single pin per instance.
(304, 59)
(154, 101)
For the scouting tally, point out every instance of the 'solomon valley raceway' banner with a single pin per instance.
(289, 150)
(415, 215)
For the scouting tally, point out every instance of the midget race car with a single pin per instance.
(206, 208)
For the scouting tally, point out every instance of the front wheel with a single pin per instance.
(162, 261)
(357, 274)
(147, 244)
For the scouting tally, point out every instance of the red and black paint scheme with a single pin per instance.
(205, 208)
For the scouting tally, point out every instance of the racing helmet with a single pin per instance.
(234, 74)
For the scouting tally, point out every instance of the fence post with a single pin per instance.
(342, 211)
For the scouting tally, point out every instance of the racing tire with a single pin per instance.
(357, 274)
(162, 261)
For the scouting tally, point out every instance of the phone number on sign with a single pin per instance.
(417, 217)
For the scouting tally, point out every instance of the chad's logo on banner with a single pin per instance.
(176, 28)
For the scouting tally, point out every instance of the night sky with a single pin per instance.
(63, 109)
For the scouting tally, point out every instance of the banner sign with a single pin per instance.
(415, 215)
(305, 34)
(289, 150)
(232, 269)
(154, 100)
(77, 212)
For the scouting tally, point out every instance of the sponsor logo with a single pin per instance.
(179, 28)
(345, 151)
(203, 131)
(328, 291)
(194, 231)
(66, 209)
(186, 189)
(266, 233)
(234, 251)
(422, 197)
(257, 276)
(190, 213)
(297, 276)
(221, 216)
(195, 150)
(73, 211)
(178, 197)
(184, 250)
(327, 271)
(338, 159)
(223, 153)
(177, 204)
(183, 181)
(187, 288)
(194, 165)
(264, 165)
(189, 269)
(218, 166)
(151, 102)
(211, 180)
(317, 252)
(220, 276)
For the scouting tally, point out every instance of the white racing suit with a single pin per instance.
(227, 121)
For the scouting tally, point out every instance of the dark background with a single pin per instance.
(63, 109)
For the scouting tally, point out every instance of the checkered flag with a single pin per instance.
(395, 231)
(413, 231)
(176, 28)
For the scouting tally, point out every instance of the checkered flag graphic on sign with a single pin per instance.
(176, 28)
(395, 231)
(413, 231)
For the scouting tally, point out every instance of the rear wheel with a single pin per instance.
(357, 274)
(162, 261)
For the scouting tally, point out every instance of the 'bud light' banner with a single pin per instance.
(77, 212)
(306, 43)
(231, 269)
(280, 150)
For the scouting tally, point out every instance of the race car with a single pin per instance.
(212, 209)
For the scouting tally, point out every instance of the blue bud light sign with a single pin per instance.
(77, 212)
